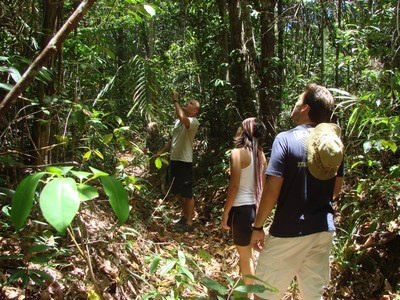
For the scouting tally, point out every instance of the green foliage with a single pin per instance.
(180, 268)
(22, 200)
(118, 197)
(61, 196)
(59, 202)
(143, 85)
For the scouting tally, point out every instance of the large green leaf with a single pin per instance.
(81, 175)
(213, 285)
(87, 192)
(59, 202)
(255, 288)
(97, 173)
(118, 197)
(22, 200)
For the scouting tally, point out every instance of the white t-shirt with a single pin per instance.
(182, 140)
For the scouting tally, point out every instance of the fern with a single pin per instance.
(142, 84)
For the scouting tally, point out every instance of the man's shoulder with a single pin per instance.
(193, 120)
(290, 133)
(284, 134)
(194, 123)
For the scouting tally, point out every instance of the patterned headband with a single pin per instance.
(248, 126)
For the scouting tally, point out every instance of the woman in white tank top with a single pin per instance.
(246, 181)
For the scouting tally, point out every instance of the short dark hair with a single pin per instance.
(320, 101)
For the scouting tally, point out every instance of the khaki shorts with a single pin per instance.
(306, 257)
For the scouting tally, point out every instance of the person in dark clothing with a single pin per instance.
(304, 175)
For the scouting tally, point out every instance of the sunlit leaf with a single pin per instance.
(149, 9)
(6, 86)
(118, 197)
(86, 156)
(119, 120)
(99, 154)
(181, 257)
(107, 138)
(87, 192)
(367, 146)
(92, 295)
(98, 173)
(158, 163)
(54, 170)
(59, 202)
(166, 268)
(22, 201)
(15, 74)
(81, 175)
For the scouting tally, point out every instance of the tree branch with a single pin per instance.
(54, 44)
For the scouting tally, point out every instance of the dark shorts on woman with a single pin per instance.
(182, 172)
(240, 220)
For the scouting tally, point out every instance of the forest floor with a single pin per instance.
(146, 258)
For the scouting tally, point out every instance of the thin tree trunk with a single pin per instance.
(42, 124)
(337, 44)
(224, 36)
(268, 103)
(280, 50)
(53, 46)
(322, 40)
(252, 68)
(240, 81)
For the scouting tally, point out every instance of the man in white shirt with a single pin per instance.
(181, 147)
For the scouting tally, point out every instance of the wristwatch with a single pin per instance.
(257, 228)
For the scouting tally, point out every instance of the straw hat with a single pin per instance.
(324, 151)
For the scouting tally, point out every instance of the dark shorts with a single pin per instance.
(182, 172)
(240, 220)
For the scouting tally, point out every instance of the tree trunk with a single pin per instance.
(322, 40)
(280, 82)
(249, 47)
(41, 127)
(337, 44)
(224, 37)
(268, 101)
(239, 80)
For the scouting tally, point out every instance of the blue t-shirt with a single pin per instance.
(305, 203)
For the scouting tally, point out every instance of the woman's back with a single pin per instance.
(246, 193)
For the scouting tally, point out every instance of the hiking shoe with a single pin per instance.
(185, 228)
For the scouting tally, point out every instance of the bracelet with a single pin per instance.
(257, 228)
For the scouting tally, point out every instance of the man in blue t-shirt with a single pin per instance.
(304, 175)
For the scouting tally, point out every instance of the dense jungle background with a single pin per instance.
(82, 217)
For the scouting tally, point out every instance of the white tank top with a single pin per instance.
(246, 193)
